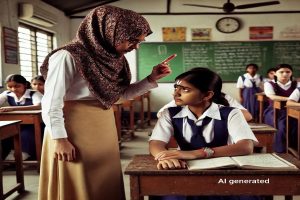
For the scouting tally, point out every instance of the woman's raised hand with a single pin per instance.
(159, 71)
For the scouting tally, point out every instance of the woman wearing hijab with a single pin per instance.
(80, 155)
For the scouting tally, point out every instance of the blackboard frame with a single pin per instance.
(264, 53)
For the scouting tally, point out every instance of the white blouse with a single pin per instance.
(64, 83)
(247, 82)
(269, 90)
(295, 96)
(36, 97)
(238, 128)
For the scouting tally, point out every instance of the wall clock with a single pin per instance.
(228, 25)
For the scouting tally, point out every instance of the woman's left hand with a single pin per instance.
(159, 71)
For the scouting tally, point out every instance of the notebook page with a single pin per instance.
(211, 163)
(262, 161)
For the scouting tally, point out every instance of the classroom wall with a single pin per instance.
(66, 29)
(9, 18)
(163, 94)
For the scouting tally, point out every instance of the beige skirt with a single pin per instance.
(96, 172)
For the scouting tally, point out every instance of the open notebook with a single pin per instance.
(253, 161)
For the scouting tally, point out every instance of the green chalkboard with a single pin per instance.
(228, 59)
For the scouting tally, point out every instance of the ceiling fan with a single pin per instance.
(228, 7)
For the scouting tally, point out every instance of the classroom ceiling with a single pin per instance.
(73, 8)
(70, 7)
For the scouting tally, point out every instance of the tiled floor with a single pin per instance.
(130, 147)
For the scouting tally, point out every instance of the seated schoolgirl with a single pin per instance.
(202, 128)
(19, 97)
(38, 83)
(280, 89)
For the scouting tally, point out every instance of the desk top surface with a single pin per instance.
(259, 127)
(6, 123)
(21, 112)
(294, 107)
(146, 165)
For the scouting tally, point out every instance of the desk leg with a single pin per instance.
(142, 113)
(135, 192)
(288, 197)
(38, 140)
(275, 117)
(1, 173)
(148, 111)
(260, 111)
(131, 120)
(19, 162)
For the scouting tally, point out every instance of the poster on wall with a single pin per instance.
(10, 41)
(174, 34)
(261, 32)
(201, 34)
(291, 32)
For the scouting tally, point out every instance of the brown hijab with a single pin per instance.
(93, 50)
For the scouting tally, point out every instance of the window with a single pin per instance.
(34, 46)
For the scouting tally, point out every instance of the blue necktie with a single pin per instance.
(197, 140)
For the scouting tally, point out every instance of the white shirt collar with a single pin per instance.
(250, 77)
(283, 85)
(26, 95)
(212, 112)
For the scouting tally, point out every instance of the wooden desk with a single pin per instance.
(12, 129)
(264, 134)
(277, 105)
(146, 179)
(293, 112)
(28, 117)
(261, 98)
(129, 104)
(140, 100)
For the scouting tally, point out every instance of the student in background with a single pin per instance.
(37, 83)
(19, 97)
(270, 74)
(202, 128)
(280, 88)
(249, 84)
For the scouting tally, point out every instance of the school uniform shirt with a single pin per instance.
(295, 96)
(269, 90)
(231, 101)
(64, 83)
(238, 128)
(248, 81)
(36, 97)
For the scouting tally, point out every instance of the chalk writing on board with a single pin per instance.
(228, 59)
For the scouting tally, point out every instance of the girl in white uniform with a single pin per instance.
(202, 129)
